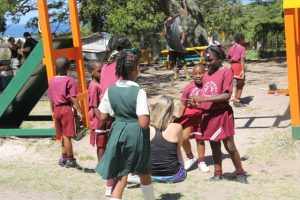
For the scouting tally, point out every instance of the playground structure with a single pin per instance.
(31, 81)
(292, 32)
(191, 54)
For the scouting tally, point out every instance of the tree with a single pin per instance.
(136, 18)
(191, 17)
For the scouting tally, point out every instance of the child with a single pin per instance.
(190, 119)
(166, 141)
(108, 72)
(128, 145)
(236, 56)
(217, 115)
(97, 137)
(108, 77)
(62, 93)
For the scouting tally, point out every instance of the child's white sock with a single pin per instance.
(114, 198)
(148, 191)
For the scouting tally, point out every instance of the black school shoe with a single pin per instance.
(73, 164)
(62, 162)
(216, 178)
(242, 178)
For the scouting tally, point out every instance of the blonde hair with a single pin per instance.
(161, 112)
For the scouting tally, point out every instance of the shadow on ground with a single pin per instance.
(278, 119)
(170, 196)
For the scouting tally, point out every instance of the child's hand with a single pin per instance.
(197, 100)
(242, 74)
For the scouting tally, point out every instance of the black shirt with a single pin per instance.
(164, 158)
(30, 42)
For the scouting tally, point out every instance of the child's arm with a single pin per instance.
(104, 117)
(52, 108)
(97, 113)
(144, 121)
(77, 106)
(218, 98)
(242, 74)
(182, 108)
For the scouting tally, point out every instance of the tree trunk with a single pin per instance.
(191, 18)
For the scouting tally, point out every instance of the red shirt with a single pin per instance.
(190, 91)
(93, 102)
(108, 77)
(216, 84)
(61, 89)
(236, 53)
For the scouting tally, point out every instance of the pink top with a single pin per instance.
(61, 89)
(190, 91)
(236, 53)
(216, 84)
(108, 77)
(93, 102)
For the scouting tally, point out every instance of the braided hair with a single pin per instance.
(126, 63)
(117, 42)
(218, 51)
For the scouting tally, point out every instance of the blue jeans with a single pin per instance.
(178, 177)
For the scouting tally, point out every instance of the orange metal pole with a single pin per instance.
(46, 37)
(74, 19)
(292, 32)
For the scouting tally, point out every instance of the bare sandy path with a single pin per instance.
(29, 170)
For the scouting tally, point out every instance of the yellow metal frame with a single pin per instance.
(291, 4)
(292, 32)
(74, 53)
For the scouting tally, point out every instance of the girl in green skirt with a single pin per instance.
(128, 146)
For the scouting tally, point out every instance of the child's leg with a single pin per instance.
(187, 148)
(217, 156)
(234, 154)
(146, 186)
(63, 149)
(71, 161)
(201, 156)
(118, 189)
(186, 71)
(186, 142)
(68, 147)
(63, 159)
(100, 152)
(236, 159)
(239, 88)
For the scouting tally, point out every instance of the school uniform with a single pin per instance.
(61, 89)
(235, 54)
(128, 145)
(217, 120)
(98, 134)
(192, 115)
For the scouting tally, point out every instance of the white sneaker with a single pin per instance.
(133, 179)
(189, 163)
(108, 191)
(203, 167)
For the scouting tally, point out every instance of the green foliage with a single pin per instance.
(223, 16)
(137, 18)
(232, 17)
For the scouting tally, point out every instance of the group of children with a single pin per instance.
(120, 119)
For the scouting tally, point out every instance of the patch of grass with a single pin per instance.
(84, 157)
(278, 145)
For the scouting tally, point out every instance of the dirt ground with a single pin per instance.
(29, 166)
